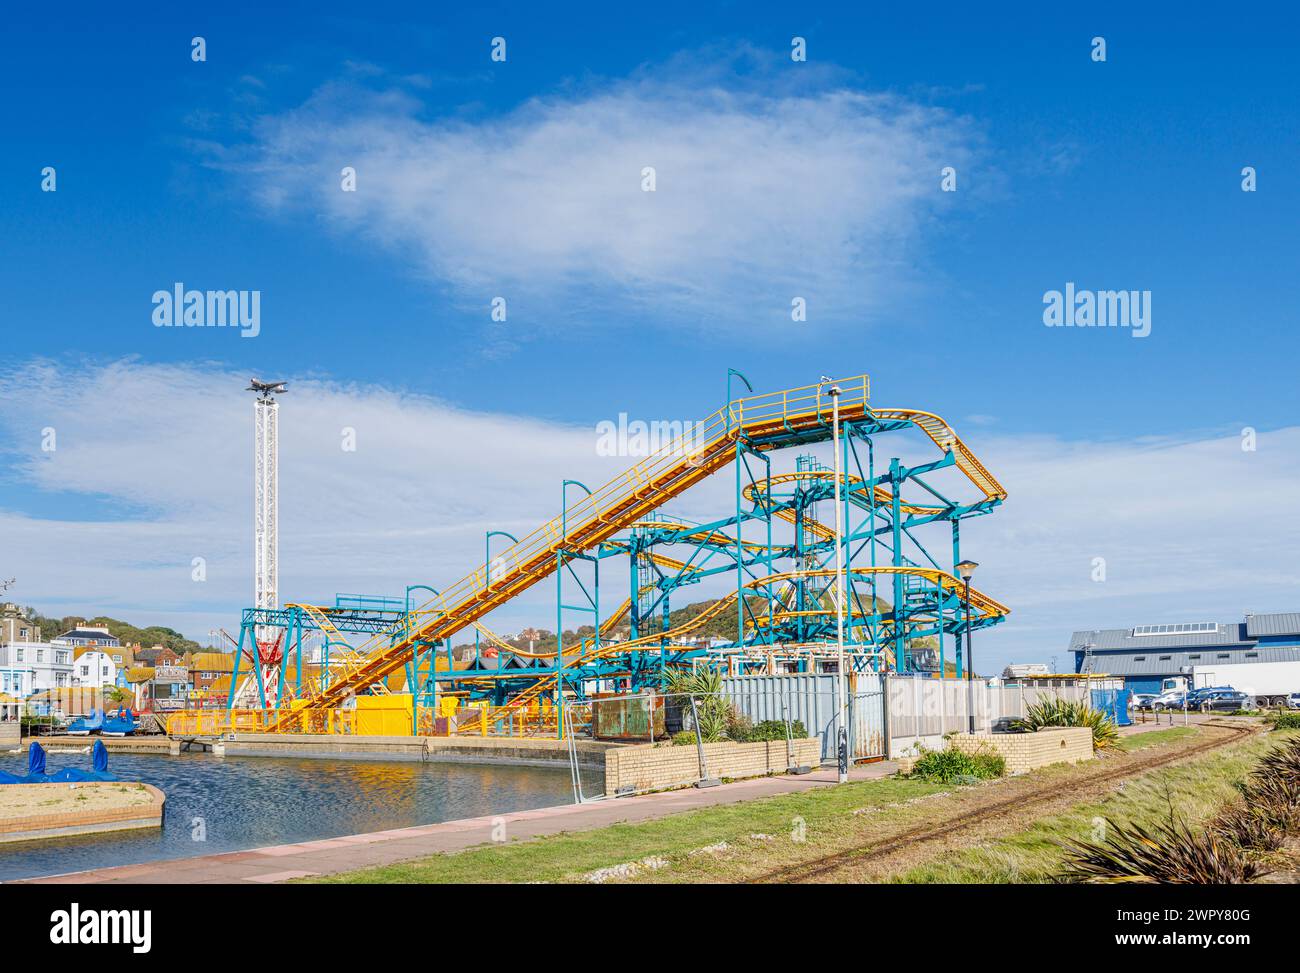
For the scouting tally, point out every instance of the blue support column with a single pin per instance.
(957, 627)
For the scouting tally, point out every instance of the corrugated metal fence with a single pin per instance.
(812, 699)
(922, 710)
(910, 709)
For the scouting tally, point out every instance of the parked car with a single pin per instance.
(1293, 701)
(1198, 696)
(1143, 700)
(1229, 700)
(1170, 700)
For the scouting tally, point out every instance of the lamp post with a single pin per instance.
(964, 570)
(841, 688)
(737, 374)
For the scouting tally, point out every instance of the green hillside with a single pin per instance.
(125, 632)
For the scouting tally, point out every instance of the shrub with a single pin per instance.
(740, 727)
(1064, 712)
(951, 766)
(768, 730)
(1287, 721)
(742, 731)
(1169, 854)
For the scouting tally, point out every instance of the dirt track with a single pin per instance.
(982, 813)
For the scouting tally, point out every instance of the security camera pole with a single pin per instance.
(840, 675)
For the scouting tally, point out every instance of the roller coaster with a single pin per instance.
(774, 553)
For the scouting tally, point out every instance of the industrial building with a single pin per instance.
(1146, 655)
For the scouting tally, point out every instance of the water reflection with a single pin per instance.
(244, 802)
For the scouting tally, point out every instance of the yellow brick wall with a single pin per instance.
(1026, 751)
(644, 767)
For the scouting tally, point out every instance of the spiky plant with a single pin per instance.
(1283, 762)
(1053, 712)
(1168, 854)
(1249, 829)
(713, 711)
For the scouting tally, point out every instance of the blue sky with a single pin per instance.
(478, 179)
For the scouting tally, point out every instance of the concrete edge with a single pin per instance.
(88, 822)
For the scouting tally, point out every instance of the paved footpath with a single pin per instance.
(282, 862)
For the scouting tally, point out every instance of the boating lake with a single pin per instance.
(221, 804)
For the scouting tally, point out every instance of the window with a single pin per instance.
(40, 655)
(1165, 658)
(61, 658)
(1252, 655)
(1222, 655)
(85, 670)
(22, 633)
(1196, 656)
(21, 653)
(1139, 658)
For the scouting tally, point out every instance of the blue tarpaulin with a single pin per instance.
(1114, 703)
(68, 775)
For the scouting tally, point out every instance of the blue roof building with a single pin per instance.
(1148, 654)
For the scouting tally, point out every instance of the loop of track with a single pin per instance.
(806, 871)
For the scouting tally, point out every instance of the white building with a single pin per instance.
(31, 667)
(93, 669)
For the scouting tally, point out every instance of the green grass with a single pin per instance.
(1196, 791)
(830, 825)
(1153, 738)
(826, 812)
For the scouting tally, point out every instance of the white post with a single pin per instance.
(841, 681)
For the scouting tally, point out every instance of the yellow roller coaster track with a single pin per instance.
(985, 605)
(763, 421)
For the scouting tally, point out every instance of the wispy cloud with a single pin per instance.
(768, 187)
(1189, 530)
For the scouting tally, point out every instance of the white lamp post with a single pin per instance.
(841, 677)
(964, 570)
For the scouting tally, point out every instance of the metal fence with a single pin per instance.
(812, 699)
(921, 709)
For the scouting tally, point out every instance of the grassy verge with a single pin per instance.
(737, 841)
(826, 814)
(1154, 738)
(1195, 790)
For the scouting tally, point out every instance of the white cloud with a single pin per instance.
(1191, 530)
(765, 191)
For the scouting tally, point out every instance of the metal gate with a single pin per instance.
(812, 699)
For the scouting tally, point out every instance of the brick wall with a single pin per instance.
(1026, 751)
(644, 767)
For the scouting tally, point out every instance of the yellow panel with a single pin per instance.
(388, 716)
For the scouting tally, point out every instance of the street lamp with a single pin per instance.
(964, 571)
(841, 688)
